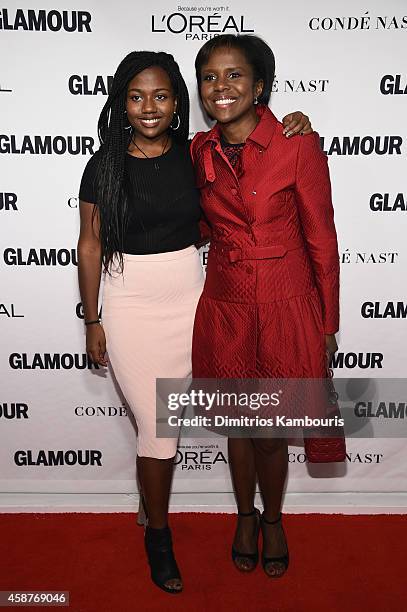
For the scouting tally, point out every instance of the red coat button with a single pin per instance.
(249, 269)
(233, 191)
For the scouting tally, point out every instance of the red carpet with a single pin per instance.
(338, 563)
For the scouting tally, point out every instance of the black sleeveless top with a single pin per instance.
(163, 200)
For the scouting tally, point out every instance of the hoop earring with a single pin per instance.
(255, 101)
(128, 127)
(178, 122)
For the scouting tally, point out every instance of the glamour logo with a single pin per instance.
(357, 360)
(387, 203)
(79, 311)
(83, 85)
(393, 84)
(51, 361)
(104, 411)
(390, 310)
(9, 310)
(8, 201)
(200, 27)
(46, 145)
(40, 257)
(387, 410)
(300, 85)
(14, 410)
(41, 21)
(368, 257)
(58, 457)
(198, 460)
(362, 145)
(363, 22)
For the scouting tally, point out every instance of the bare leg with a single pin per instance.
(271, 459)
(155, 477)
(242, 467)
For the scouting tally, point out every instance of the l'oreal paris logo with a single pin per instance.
(200, 26)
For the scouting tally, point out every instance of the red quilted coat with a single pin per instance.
(272, 285)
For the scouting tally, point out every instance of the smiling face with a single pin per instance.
(150, 102)
(227, 86)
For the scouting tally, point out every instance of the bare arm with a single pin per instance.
(89, 273)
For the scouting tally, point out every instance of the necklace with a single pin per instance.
(156, 164)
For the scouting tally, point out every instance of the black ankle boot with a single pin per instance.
(161, 558)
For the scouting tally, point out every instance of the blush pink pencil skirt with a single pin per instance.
(148, 316)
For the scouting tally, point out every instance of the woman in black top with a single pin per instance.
(139, 222)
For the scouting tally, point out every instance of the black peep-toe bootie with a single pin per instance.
(161, 558)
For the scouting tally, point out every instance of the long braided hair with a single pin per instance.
(115, 139)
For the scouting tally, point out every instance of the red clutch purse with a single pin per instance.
(326, 449)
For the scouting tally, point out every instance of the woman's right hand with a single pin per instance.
(96, 344)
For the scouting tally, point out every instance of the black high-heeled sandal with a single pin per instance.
(283, 559)
(161, 558)
(252, 557)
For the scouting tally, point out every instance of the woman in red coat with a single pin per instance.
(270, 304)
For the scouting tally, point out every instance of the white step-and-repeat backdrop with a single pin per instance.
(63, 424)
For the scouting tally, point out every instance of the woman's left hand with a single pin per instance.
(296, 123)
(331, 344)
